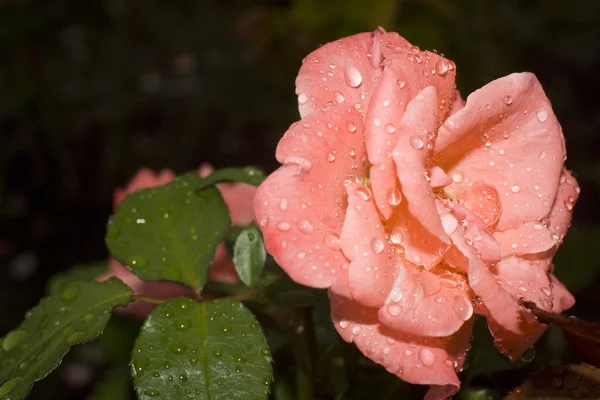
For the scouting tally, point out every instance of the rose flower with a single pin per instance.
(237, 196)
(418, 210)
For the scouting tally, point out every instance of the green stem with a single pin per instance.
(306, 357)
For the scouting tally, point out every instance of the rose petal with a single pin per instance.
(559, 218)
(301, 206)
(412, 358)
(506, 136)
(423, 305)
(531, 237)
(145, 178)
(370, 274)
(337, 72)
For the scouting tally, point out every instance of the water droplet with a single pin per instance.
(515, 189)
(416, 142)
(457, 177)
(377, 245)
(401, 84)
(344, 324)
(88, 317)
(394, 197)
(363, 193)
(302, 98)
(331, 156)
(339, 98)
(305, 227)
(507, 100)
(71, 293)
(441, 67)
(546, 291)
(352, 75)
(304, 163)
(351, 127)
(283, 204)
(542, 115)
(528, 355)
(76, 337)
(183, 324)
(394, 310)
(283, 226)
(396, 236)
(462, 307)
(390, 128)
(218, 353)
(332, 242)
(408, 352)
(14, 338)
(136, 261)
(177, 348)
(356, 329)
(152, 393)
(538, 227)
(226, 328)
(427, 357)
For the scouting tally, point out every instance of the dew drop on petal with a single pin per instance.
(363, 193)
(507, 100)
(331, 156)
(339, 98)
(546, 291)
(441, 67)
(427, 357)
(283, 226)
(352, 76)
(356, 330)
(332, 242)
(462, 308)
(416, 142)
(344, 324)
(283, 204)
(351, 127)
(305, 227)
(542, 115)
(515, 189)
(394, 197)
(396, 236)
(394, 310)
(390, 128)
(377, 245)
(302, 98)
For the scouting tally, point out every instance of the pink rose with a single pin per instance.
(417, 210)
(238, 198)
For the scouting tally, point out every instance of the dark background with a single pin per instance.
(90, 91)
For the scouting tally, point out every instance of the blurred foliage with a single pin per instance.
(91, 91)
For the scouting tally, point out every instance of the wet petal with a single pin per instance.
(370, 274)
(506, 136)
(531, 237)
(410, 157)
(300, 208)
(422, 304)
(414, 359)
(338, 72)
(559, 218)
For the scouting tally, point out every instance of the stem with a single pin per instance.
(147, 299)
(574, 325)
(306, 357)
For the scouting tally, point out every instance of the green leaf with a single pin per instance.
(250, 175)
(77, 314)
(169, 232)
(249, 255)
(210, 350)
(79, 273)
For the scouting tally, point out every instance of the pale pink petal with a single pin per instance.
(301, 206)
(457, 103)
(222, 269)
(422, 304)
(339, 72)
(438, 179)
(239, 198)
(559, 218)
(412, 358)
(402, 79)
(410, 156)
(506, 136)
(370, 274)
(531, 237)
